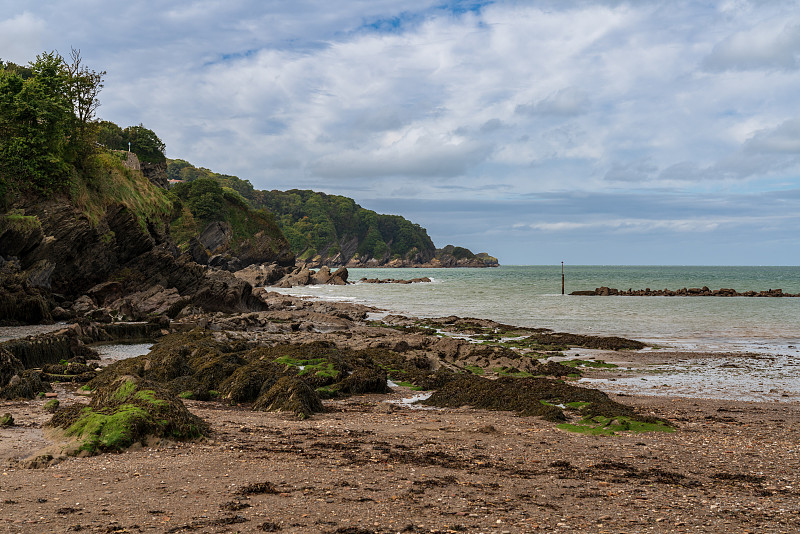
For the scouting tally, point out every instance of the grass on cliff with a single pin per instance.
(16, 220)
(106, 181)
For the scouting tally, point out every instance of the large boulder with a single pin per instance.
(129, 410)
(290, 394)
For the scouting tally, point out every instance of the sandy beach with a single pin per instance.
(374, 464)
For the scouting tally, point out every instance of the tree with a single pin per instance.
(204, 196)
(84, 86)
(35, 123)
(111, 136)
(146, 144)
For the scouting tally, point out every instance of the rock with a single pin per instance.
(105, 292)
(20, 301)
(321, 277)
(384, 407)
(83, 305)
(154, 301)
(10, 366)
(290, 394)
(126, 411)
(25, 385)
(155, 172)
(60, 314)
(364, 381)
(302, 276)
(298, 277)
(261, 275)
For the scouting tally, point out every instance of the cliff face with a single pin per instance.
(111, 240)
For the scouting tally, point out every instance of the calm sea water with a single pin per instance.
(531, 296)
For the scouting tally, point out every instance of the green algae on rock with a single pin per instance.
(128, 410)
(605, 426)
(531, 396)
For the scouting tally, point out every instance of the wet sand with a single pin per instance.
(729, 467)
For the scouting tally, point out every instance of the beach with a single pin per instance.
(371, 463)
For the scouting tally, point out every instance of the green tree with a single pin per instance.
(204, 197)
(145, 144)
(83, 88)
(111, 136)
(35, 120)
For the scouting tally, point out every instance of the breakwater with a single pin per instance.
(685, 292)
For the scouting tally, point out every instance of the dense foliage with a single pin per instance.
(320, 224)
(36, 122)
(49, 135)
(143, 142)
(205, 200)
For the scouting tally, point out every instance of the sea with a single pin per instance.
(764, 331)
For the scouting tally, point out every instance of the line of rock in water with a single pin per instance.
(422, 280)
(685, 292)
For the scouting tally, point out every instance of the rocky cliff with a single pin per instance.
(107, 254)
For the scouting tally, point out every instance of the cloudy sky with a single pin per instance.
(593, 132)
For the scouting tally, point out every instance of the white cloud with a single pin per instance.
(22, 38)
(761, 47)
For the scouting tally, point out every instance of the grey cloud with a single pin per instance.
(758, 48)
(425, 159)
(784, 139)
(21, 37)
(567, 102)
(685, 171)
(640, 170)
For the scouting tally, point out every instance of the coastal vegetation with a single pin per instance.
(327, 229)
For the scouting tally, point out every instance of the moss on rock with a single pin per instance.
(128, 410)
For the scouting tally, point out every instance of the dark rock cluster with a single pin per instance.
(685, 292)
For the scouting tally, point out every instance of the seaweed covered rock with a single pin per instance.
(21, 302)
(364, 380)
(25, 385)
(10, 365)
(250, 381)
(129, 410)
(290, 394)
(530, 396)
(169, 359)
(589, 342)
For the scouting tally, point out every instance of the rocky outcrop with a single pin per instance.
(449, 256)
(303, 276)
(262, 275)
(156, 173)
(424, 279)
(217, 247)
(685, 292)
(68, 266)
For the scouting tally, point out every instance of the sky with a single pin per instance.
(589, 132)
